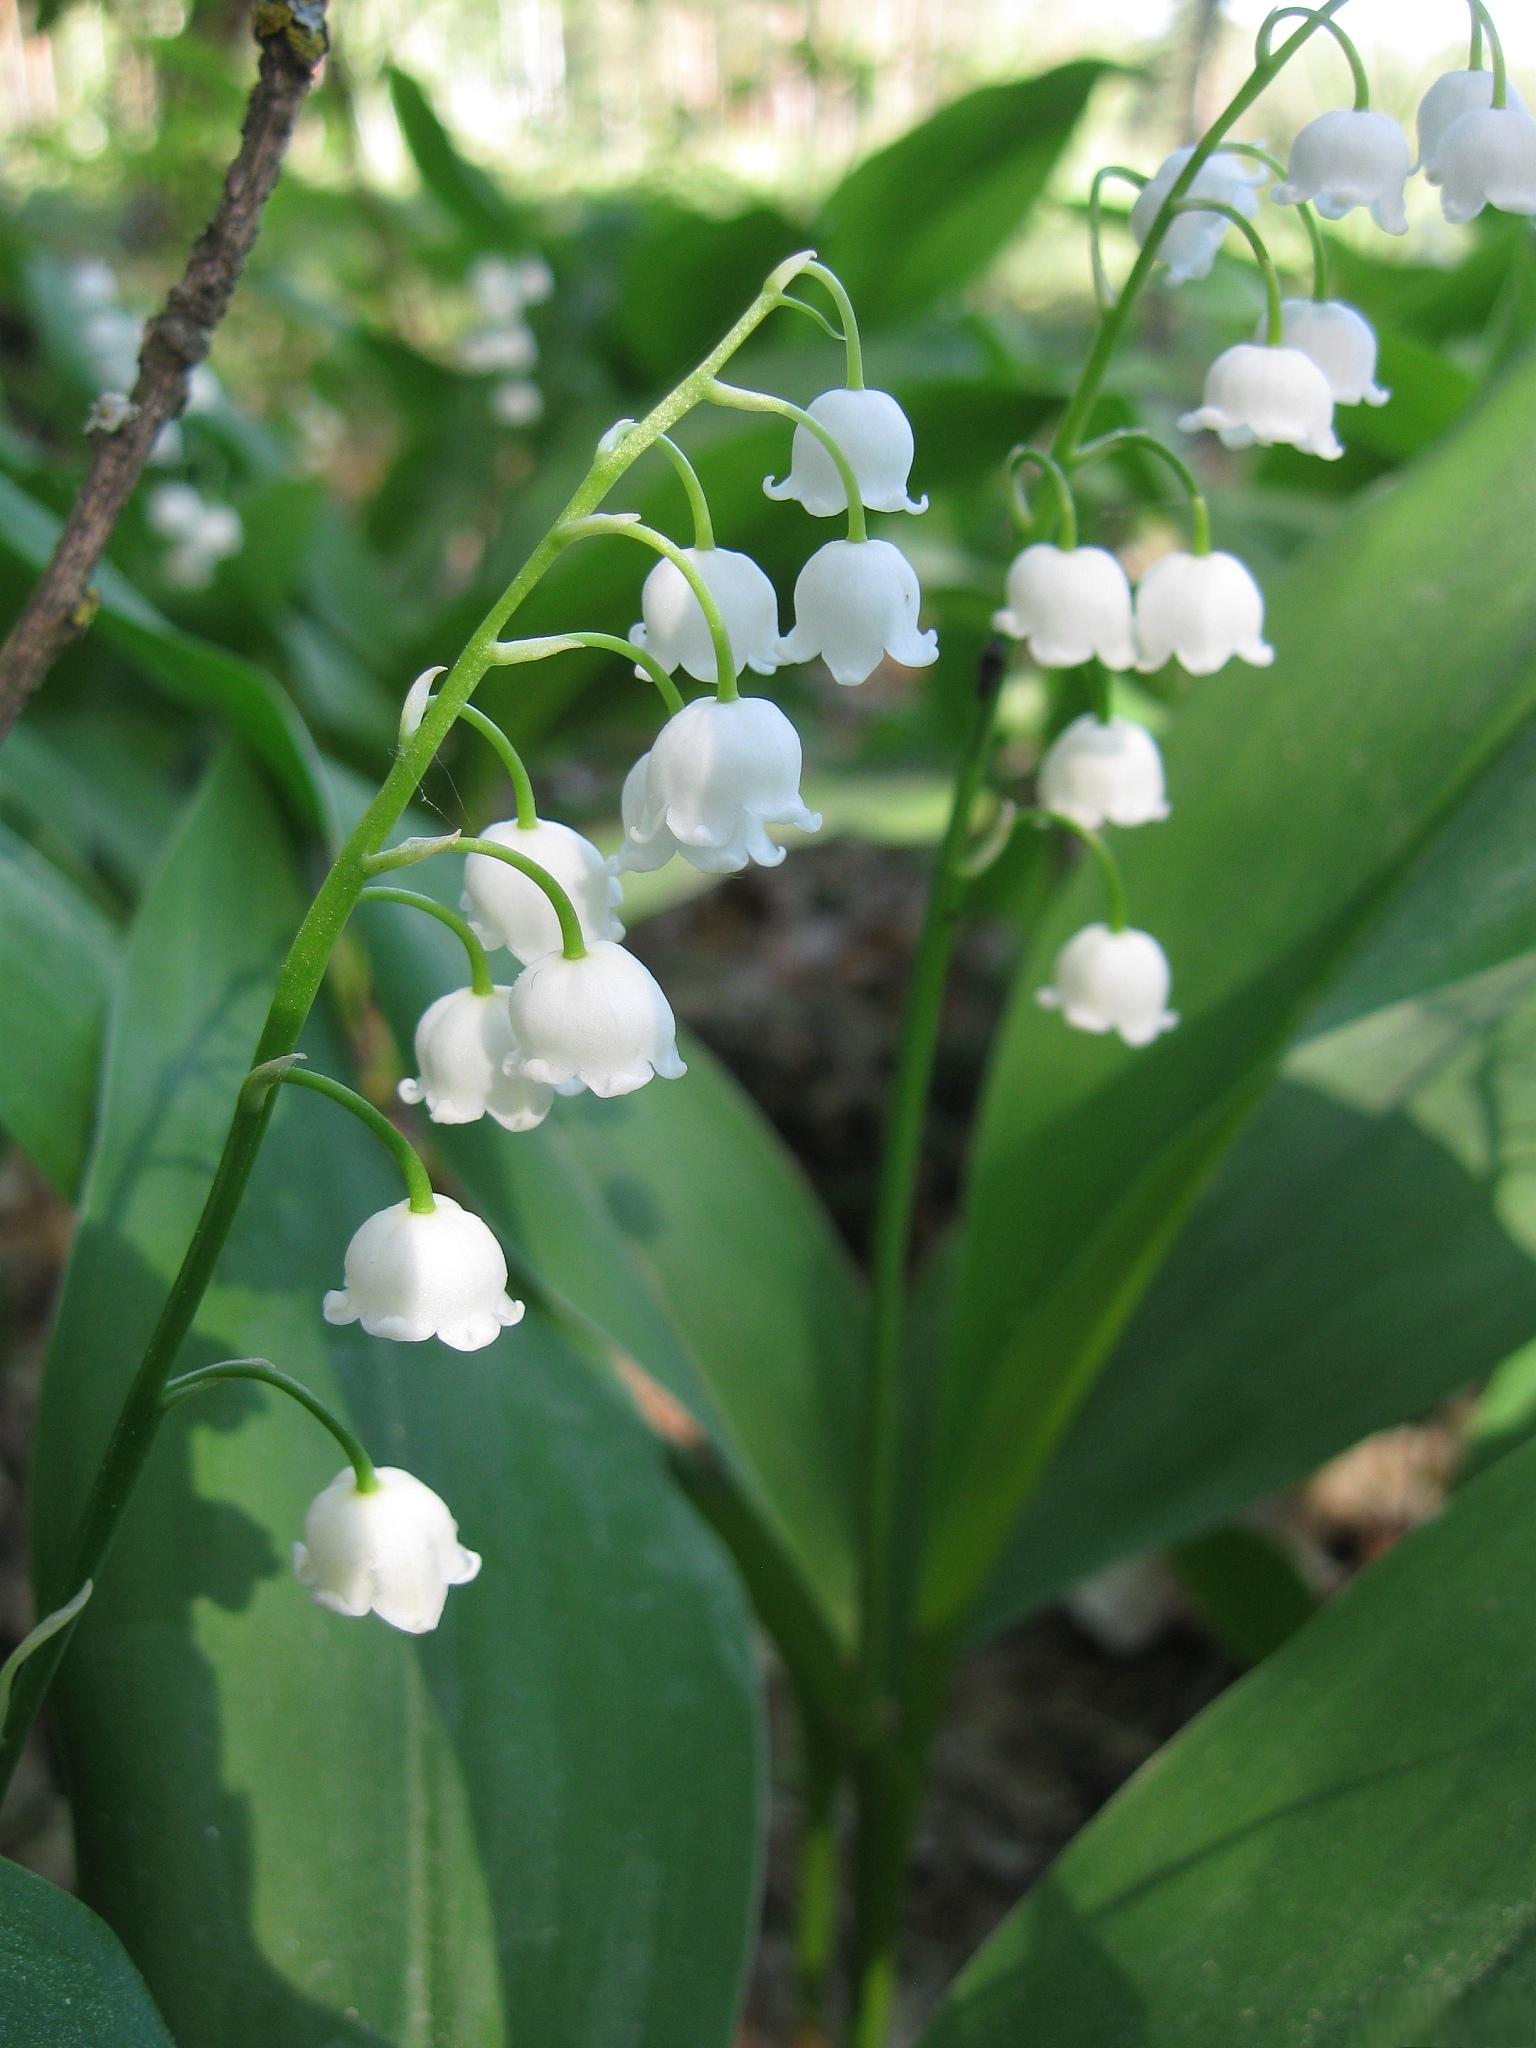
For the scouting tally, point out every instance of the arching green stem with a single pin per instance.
(419, 701)
(1061, 486)
(838, 294)
(572, 943)
(739, 400)
(267, 1375)
(481, 980)
(1274, 297)
(815, 313)
(625, 525)
(260, 1081)
(1321, 17)
(698, 504)
(1103, 291)
(509, 652)
(1482, 21)
(1140, 437)
(1309, 219)
(1108, 866)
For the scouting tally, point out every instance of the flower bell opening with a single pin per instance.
(1106, 981)
(393, 1551)
(1069, 606)
(857, 603)
(875, 435)
(412, 1275)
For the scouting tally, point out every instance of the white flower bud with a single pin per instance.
(1341, 342)
(1457, 93)
(856, 601)
(676, 631)
(1488, 159)
(601, 1021)
(1268, 395)
(504, 351)
(410, 1277)
(1100, 772)
(509, 909)
(393, 1552)
(515, 402)
(1069, 605)
(1193, 240)
(202, 533)
(463, 1043)
(1201, 611)
(174, 511)
(1112, 981)
(718, 775)
(1348, 158)
(875, 435)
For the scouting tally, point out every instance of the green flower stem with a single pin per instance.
(1140, 437)
(628, 526)
(816, 1891)
(508, 652)
(813, 313)
(836, 291)
(1273, 295)
(1104, 860)
(274, 1073)
(1309, 219)
(572, 942)
(481, 979)
(259, 1369)
(1061, 484)
(763, 401)
(298, 985)
(693, 489)
(1103, 291)
(1113, 325)
(1319, 16)
(511, 760)
(1482, 20)
(35, 1638)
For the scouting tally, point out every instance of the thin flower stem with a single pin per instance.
(509, 652)
(1320, 16)
(816, 1898)
(572, 942)
(481, 979)
(813, 313)
(1308, 212)
(1141, 437)
(627, 526)
(267, 1375)
(511, 760)
(1273, 295)
(698, 504)
(260, 1081)
(1104, 860)
(1103, 291)
(1482, 20)
(763, 401)
(852, 345)
(1061, 485)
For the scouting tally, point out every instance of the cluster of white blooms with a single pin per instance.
(1074, 605)
(503, 345)
(200, 531)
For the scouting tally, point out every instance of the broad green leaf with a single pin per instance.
(979, 164)
(57, 956)
(468, 194)
(682, 268)
(1407, 669)
(64, 1980)
(1342, 1851)
(537, 1824)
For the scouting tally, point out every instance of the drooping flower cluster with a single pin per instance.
(201, 533)
(502, 345)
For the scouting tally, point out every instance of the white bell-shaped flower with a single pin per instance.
(1488, 159)
(637, 855)
(875, 435)
(393, 1551)
(1193, 240)
(717, 777)
(463, 1043)
(414, 1275)
(676, 631)
(1112, 981)
(1267, 395)
(1069, 605)
(1341, 342)
(856, 601)
(509, 909)
(1348, 158)
(601, 1022)
(1104, 772)
(1457, 93)
(1201, 611)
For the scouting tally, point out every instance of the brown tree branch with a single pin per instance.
(292, 37)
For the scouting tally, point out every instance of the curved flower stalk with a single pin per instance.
(1193, 241)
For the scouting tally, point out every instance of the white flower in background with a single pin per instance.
(501, 288)
(1341, 342)
(1201, 611)
(1068, 606)
(1267, 395)
(856, 601)
(202, 533)
(601, 1021)
(509, 909)
(1193, 241)
(504, 351)
(675, 630)
(393, 1551)
(1104, 772)
(92, 282)
(875, 435)
(1457, 93)
(1348, 158)
(412, 1276)
(1112, 981)
(517, 403)
(718, 775)
(110, 339)
(1488, 159)
(463, 1043)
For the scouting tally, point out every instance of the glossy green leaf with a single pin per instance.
(980, 164)
(468, 194)
(1407, 669)
(64, 1979)
(537, 1824)
(1342, 1851)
